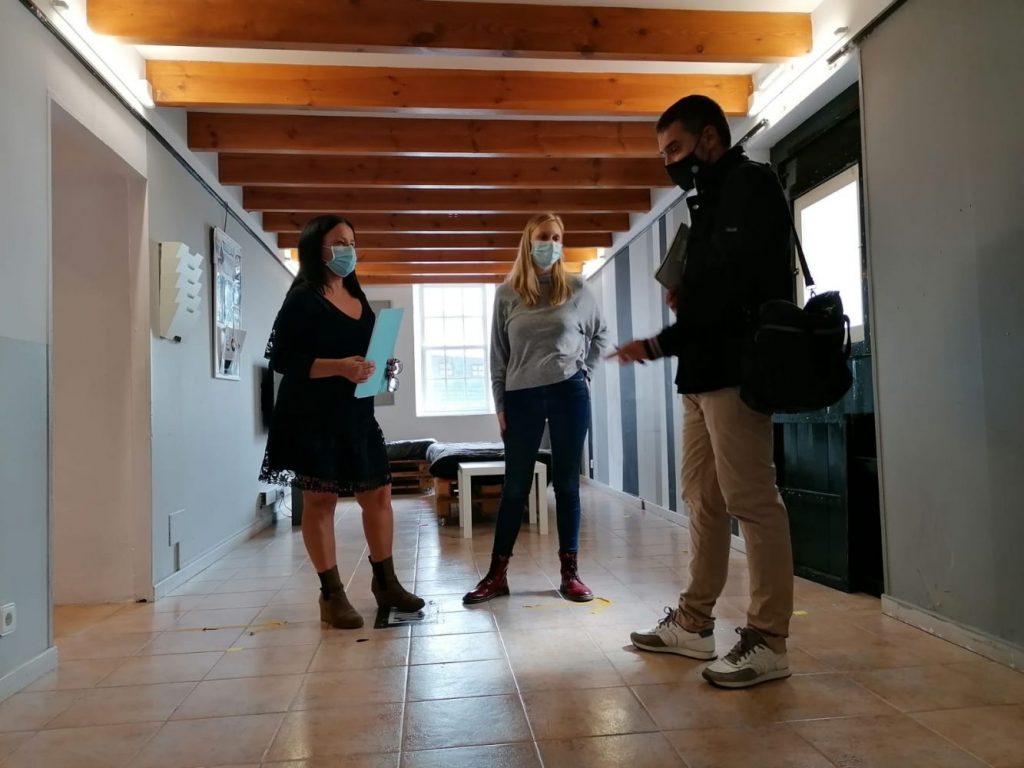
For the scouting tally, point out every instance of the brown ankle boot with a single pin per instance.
(494, 584)
(337, 611)
(389, 592)
(573, 587)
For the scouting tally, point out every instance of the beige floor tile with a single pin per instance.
(637, 750)
(640, 668)
(809, 697)
(91, 646)
(127, 704)
(232, 586)
(565, 671)
(135, 621)
(71, 675)
(495, 756)
(338, 657)
(69, 620)
(288, 634)
(257, 662)
(293, 614)
(883, 742)
(919, 689)
(240, 696)
(32, 711)
(236, 600)
(169, 668)
(549, 643)
(217, 741)
(464, 723)
(995, 734)
(693, 703)
(593, 712)
(775, 746)
(328, 690)
(359, 729)
(460, 680)
(111, 746)
(351, 761)
(448, 648)
(192, 642)
(220, 618)
(9, 742)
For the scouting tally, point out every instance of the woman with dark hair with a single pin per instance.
(323, 440)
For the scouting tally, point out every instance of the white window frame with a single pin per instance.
(424, 347)
(806, 200)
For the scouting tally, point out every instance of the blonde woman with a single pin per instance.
(548, 335)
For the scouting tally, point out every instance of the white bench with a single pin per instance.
(538, 492)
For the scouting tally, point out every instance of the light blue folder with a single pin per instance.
(382, 349)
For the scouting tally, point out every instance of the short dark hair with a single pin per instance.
(312, 269)
(696, 113)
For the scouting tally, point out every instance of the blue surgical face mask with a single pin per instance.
(546, 252)
(343, 260)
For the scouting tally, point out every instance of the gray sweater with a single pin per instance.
(540, 345)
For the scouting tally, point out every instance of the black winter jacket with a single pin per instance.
(739, 255)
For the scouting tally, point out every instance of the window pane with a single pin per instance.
(453, 331)
(433, 329)
(453, 301)
(433, 301)
(453, 348)
(830, 232)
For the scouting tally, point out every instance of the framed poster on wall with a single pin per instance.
(228, 336)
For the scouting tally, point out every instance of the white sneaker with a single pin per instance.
(669, 637)
(750, 662)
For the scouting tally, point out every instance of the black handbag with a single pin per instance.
(797, 360)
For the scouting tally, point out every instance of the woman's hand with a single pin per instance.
(501, 422)
(356, 369)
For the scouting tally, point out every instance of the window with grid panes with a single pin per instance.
(453, 340)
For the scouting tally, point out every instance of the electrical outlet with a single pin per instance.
(8, 619)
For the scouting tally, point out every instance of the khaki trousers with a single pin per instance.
(729, 471)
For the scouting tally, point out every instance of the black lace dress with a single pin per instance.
(322, 438)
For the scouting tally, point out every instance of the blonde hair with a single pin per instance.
(523, 278)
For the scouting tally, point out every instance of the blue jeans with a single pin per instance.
(566, 409)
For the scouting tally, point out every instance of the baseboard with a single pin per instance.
(211, 556)
(672, 516)
(28, 673)
(983, 644)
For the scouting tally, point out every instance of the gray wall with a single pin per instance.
(208, 438)
(944, 157)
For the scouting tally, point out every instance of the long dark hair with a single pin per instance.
(312, 269)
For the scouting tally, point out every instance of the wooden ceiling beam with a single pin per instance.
(203, 84)
(466, 173)
(324, 134)
(369, 241)
(539, 31)
(527, 201)
(481, 223)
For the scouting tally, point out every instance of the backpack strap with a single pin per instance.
(808, 280)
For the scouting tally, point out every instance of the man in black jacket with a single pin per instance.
(738, 256)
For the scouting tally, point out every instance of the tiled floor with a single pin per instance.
(235, 670)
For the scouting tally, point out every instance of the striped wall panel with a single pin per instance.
(637, 437)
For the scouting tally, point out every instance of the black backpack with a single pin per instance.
(797, 360)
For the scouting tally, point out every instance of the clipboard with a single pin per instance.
(670, 272)
(382, 349)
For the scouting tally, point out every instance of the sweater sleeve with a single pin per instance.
(596, 332)
(290, 348)
(499, 352)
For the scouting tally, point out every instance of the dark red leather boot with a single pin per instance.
(494, 584)
(573, 587)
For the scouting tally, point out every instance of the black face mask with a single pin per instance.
(684, 172)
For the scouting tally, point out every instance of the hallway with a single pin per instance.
(235, 670)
